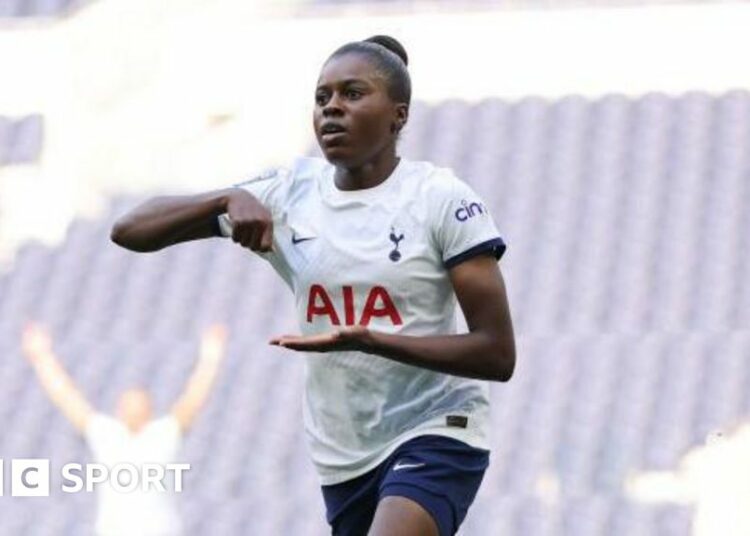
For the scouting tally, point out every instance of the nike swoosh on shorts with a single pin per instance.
(399, 466)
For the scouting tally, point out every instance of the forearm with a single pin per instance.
(59, 387)
(477, 354)
(52, 377)
(164, 220)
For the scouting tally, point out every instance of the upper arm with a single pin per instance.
(160, 222)
(470, 247)
(462, 226)
(186, 408)
(202, 379)
(79, 413)
(184, 414)
(69, 400)
(270, 188)
(480, 289)
(62, 392)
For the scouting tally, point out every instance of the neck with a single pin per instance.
(367, 175)
(134, 428)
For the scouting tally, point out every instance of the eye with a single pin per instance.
(320, 98)
(353, 94)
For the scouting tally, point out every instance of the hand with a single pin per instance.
(252, 223)
(338, 340)
(35, 342)
(213, 342)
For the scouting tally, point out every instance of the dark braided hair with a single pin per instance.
(388, 56)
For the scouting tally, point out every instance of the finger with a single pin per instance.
(257, 236)
(245, 236)
(290, 344)
(323, 338)
(300, 344)
(237, 233)
(303, 347)
(266, 240)
(242, 238)
(280, 338)
(309, 340)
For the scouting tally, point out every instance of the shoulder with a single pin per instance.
(277, 184)
(299, 170)
(304, 176)
(309, 167)
(436, 185)
(268, 175)
(168, 425)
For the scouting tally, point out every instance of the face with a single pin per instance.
(353, 111)
(134, 409)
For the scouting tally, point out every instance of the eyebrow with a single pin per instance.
(347, 81)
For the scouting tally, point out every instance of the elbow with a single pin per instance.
(504, 364)
(121, 234)
(506, 372)
(118, 234)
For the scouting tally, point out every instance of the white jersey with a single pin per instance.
(137, 513)
(714, 477)
(376, 257)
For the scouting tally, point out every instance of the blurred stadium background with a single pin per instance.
(610, 140)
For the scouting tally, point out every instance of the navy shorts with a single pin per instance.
(440, 473)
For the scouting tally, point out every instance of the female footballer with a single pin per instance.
(376, 250)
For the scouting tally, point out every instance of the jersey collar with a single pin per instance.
(366, 194)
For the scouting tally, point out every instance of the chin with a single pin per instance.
(339, 156)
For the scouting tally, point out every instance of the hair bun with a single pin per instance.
(391, 44)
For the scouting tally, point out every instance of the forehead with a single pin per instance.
(340, 69)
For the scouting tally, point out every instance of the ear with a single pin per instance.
(401, 115)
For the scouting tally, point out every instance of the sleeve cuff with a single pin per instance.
(223, 225)
(496, 246)
(215, 226)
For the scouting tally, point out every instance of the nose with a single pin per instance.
(333, 106)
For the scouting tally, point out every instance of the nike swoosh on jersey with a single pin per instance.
(400, 466)
(296, 240)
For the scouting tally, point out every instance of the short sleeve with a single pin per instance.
(464, 227)
(268, 187)
(163, 434)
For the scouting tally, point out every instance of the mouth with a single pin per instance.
(331, 130)
(332, 136)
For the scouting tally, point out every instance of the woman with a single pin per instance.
(376, 249)
(135, 436)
